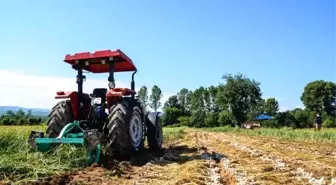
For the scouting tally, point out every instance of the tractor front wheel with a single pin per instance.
(125, 128)
(60, 115)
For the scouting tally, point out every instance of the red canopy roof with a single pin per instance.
(96, 61)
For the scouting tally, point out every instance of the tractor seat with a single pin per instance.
(100, 92)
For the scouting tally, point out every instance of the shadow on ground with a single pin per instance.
(170, 154)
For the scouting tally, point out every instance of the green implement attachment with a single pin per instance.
(90, 139)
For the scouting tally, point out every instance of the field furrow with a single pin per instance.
(255, 167)
(298, 156)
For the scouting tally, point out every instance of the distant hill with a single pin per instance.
(35, 111)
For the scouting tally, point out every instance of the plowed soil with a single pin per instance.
(216, 158)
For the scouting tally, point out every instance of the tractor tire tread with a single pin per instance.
(118, 128)
(60, 115)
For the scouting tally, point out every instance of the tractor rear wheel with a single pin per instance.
(125, 128)
(60, 115)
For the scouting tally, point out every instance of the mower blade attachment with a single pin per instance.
(32, 137)
(46, 144)
(92, 140)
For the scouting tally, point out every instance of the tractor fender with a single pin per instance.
(153, 117)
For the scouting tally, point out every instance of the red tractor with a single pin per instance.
(112, 116)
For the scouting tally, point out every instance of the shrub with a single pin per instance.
(285, 119)
(225, 118)
(329, 123)
(5, 120)
(184, 121)
(271, 123)
(171, 115)
(197, 119)
(211, 120)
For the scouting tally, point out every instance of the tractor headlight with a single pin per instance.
(111, 85)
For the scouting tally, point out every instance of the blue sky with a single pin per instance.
(283, 44)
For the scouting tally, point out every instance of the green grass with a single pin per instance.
(19, 162)
(173, 133)
(324, 136)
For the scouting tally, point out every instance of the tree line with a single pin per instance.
(232, 103)
(239, 100)
(20, 118)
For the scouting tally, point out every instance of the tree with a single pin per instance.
(213, 94)
(329, 123)
(20, 114)
(285, 119)
(5, 120)
(221, 100)
(182, 98)
(197, 100)
(19, 118)
(211, 119)
(29, 113)
(155, 98)
(271, 106)
(197, 118)
(258, 109)
(21, 121)
(320, 95)
(187, 105)
(10, 113)
(301, 118)
(207, 100)
(171, 115)
(225, 118)
(184, 121)
(172, 102)
(143, 97)
(240, 94)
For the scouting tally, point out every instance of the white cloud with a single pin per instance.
(33, 91)
(300, 107)
(283, 109)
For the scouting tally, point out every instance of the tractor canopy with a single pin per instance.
(97, 62)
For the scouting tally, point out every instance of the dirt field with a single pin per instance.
(216, 158)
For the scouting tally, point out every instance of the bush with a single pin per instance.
(329, 123)
(5, 121)
(12, 121)
(225, 118)
(271, 123)
(301, 118)
(171, 115)
(22, 121)
(211, 120)
(197, 119)
(184, 121)
(20, 118)
(285, 119)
